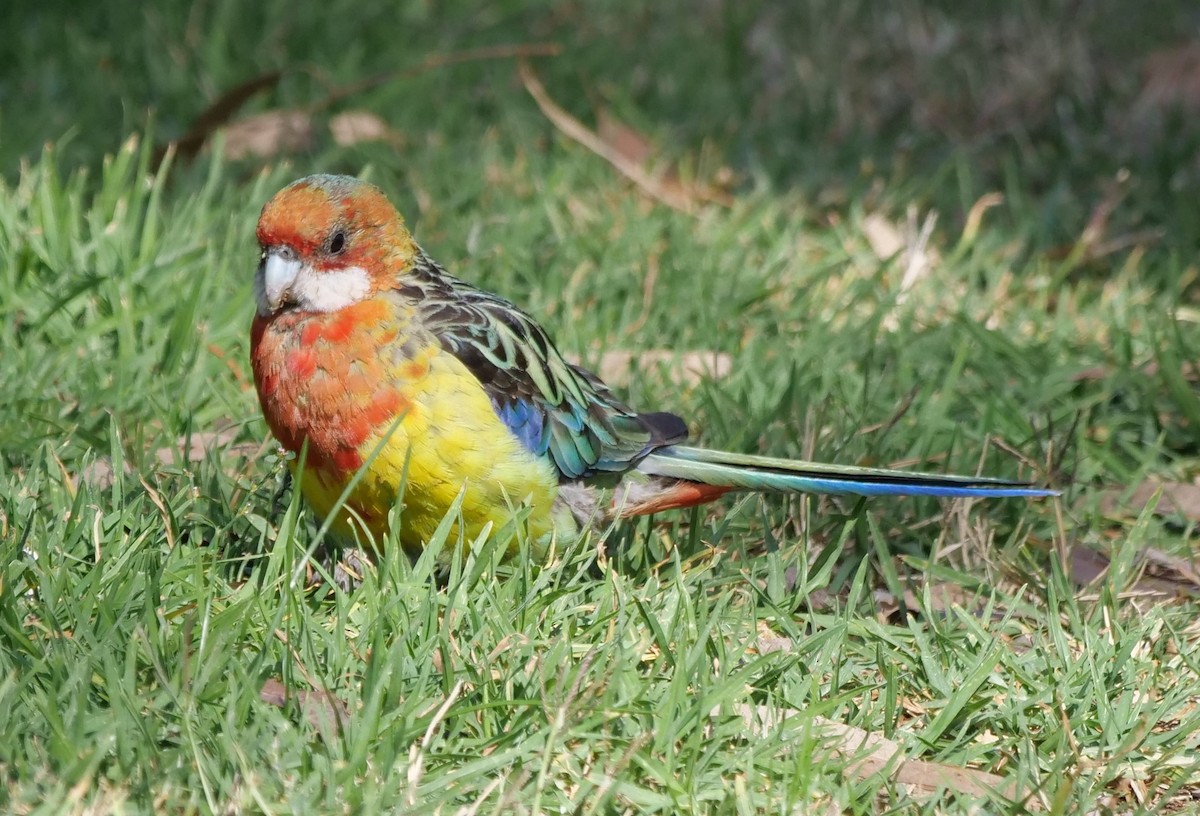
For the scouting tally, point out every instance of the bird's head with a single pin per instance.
(328, 242)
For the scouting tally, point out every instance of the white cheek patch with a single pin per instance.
(330, 290)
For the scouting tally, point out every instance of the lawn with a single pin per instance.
(908, 235)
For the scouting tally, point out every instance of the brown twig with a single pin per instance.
(212, 117)
(575, 130)
(495, 52)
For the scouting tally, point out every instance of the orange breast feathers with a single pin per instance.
(321, 378)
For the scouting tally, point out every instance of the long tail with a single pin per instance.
(703, 475)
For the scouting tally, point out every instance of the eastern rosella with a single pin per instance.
(360, 335)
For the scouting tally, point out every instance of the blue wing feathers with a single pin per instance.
(526, 422)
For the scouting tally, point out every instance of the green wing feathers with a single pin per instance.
(555, 408)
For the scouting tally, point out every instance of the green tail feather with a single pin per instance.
(746, 472)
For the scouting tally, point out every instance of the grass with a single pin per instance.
(696, 667)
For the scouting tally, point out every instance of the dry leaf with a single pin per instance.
(886, 605)
(622, 138)
(354, 127)
(1170, 85)
(194, 448)
(323, 711)
(1170, 567)
(944, 596)
(882, 235)
(1166, 577)
(768, 641)
(868, 754)
(266, 135)
(1178, 498)
(1087, 566)
(1189, 371)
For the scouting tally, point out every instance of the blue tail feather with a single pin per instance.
(743, 472)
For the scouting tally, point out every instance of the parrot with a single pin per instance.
(399, 386)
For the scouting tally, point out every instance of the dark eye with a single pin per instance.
(337, 243)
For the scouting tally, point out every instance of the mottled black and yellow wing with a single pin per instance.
(556, 409)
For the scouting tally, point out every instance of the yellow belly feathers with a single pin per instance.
(451, 441)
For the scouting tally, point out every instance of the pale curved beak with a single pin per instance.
(276, 276)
